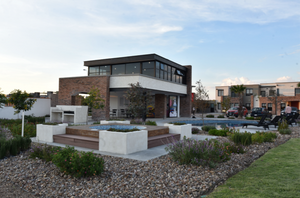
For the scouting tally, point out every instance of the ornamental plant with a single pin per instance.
(195, 130)
(283, 124)
(241, 138)
(221, 132)
(260, 137)
(207, 128)
(210, 116)
(152, 123)
(285, 131)
(44, 152)
(78, 164)
(205, 153)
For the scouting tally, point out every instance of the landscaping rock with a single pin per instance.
(160, 177)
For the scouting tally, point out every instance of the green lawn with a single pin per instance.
(276, 174)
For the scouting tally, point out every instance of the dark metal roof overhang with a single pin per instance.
(132, 59)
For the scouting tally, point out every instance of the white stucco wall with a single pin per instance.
(40, 108)
(147, 82)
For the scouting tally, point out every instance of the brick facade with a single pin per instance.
(160, 105)
(71, 87)
(280, 99)
(186, 101)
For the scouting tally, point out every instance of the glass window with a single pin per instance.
(166, 75)
(173, 107)
(249, 92)
(148, 68)
(269, 106)
(263, 93)
(282, 106)
(297, 91)
(263, 105)
(157, 64)
(169, 76)
(104, 70)
(220, 92)
(173, 74)
(157, 73)
(236, 104)
(93, 71)
(219, 105)
(133, 68)
(231, 105)
(161, 74)
(118, 69)
(177, 78)
(248, 106)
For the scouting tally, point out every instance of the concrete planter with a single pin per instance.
(123, 143)
(46, 132)
(114, 121)
(183, 130)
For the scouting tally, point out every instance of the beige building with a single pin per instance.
(273, 96)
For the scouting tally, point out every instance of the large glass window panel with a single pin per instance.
(118, 69)
(172, 110)
(177, 78)
(157, 65)
(169, 77)
(94, 69)
(162, 66)
(173, 74)
(157, 73)
(166, 75)
(161, 74)
(133, 68)
(148, 68)
(104, 70)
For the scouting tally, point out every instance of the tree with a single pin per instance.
(3, 99)
(21, 102)
(139, 99)
(94, 100)
(298, 85)
(226, 103)
(239, 89)
(201, 97)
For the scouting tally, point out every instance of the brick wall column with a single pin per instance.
(160, 105)
(186, 101)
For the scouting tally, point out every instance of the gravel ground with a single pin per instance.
(160, 177)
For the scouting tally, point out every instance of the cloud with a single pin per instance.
(295, 52)
(236, 81)
(284, 79)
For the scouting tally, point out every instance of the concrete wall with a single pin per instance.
(40, 108)
(147, 82)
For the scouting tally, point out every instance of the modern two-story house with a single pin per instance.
(169, 83)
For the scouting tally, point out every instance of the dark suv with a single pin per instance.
(294, 111)
(260, 111)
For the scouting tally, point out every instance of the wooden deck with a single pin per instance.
(76, 140)
(162, 139)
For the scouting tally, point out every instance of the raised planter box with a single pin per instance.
(114, 121)
(46, 132)
(123, 142)
(183, 130)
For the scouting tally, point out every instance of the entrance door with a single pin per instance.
(212, 107)
(173, 107)
(295, 104)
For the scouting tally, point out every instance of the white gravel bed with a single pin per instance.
(160, 177)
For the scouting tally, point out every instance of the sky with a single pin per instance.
(227, 42)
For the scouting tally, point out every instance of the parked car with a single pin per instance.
(260, 111)
(294, 111)
(234, 111)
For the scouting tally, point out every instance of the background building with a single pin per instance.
(273, 96)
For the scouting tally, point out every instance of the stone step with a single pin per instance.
(162, 139)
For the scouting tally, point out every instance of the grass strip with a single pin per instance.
(276, 174)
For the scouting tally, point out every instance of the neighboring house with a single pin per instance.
(169, 83)
(257, 95)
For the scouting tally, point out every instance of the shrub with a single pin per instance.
(35, 120)
(221, 116)
(123, 130)
(96, 122)
(78, 164)
(231, 117)
(217, 132)
(207, 128)
(195, 130)
(249, 118)
(260, 137)
(115, 119)
(210, 116)
(29, 129)
(178, 123)
(149, 122)
(283, 124)
(205, 153)
(285, 131)
(136, 122)
(233, 148)
(13, 146)
(44, 152)
(241, 138)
